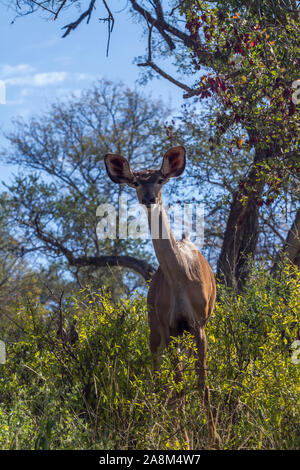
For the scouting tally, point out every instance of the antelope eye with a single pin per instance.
(135, 183)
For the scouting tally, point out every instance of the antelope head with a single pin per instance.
(148, 183)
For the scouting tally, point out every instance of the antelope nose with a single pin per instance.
(147, 201)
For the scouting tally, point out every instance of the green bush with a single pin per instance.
(95, 389)
(256, 385)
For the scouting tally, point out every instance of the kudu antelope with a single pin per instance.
(183, 290)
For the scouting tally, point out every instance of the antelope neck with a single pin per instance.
(164, 242)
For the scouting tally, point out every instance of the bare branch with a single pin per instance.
(150, 63)
(110, 24)
(59, 9)
(140, 266)
(71, 26)
(175, 8)
(159, 24)
(39, 4)
(167, 76)
(272, 227)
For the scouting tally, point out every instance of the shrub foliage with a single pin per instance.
(81, 377)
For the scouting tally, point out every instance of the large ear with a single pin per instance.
(118, 168)
(174, 162)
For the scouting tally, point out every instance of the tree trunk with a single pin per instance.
(241, 234)
(291, 247)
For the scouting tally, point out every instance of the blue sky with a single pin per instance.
(38, 66)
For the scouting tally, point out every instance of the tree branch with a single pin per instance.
(59, 9)
(139, 266)
(110, 23)
(272, 227)
(39, 4)
(165, 75)
(150, 63)
(71, 26)
(163, 28)
(154, 22)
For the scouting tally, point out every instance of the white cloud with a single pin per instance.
(24, 75)
(50, 78)
(38, 79)
(13, 70)
(26, 86)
